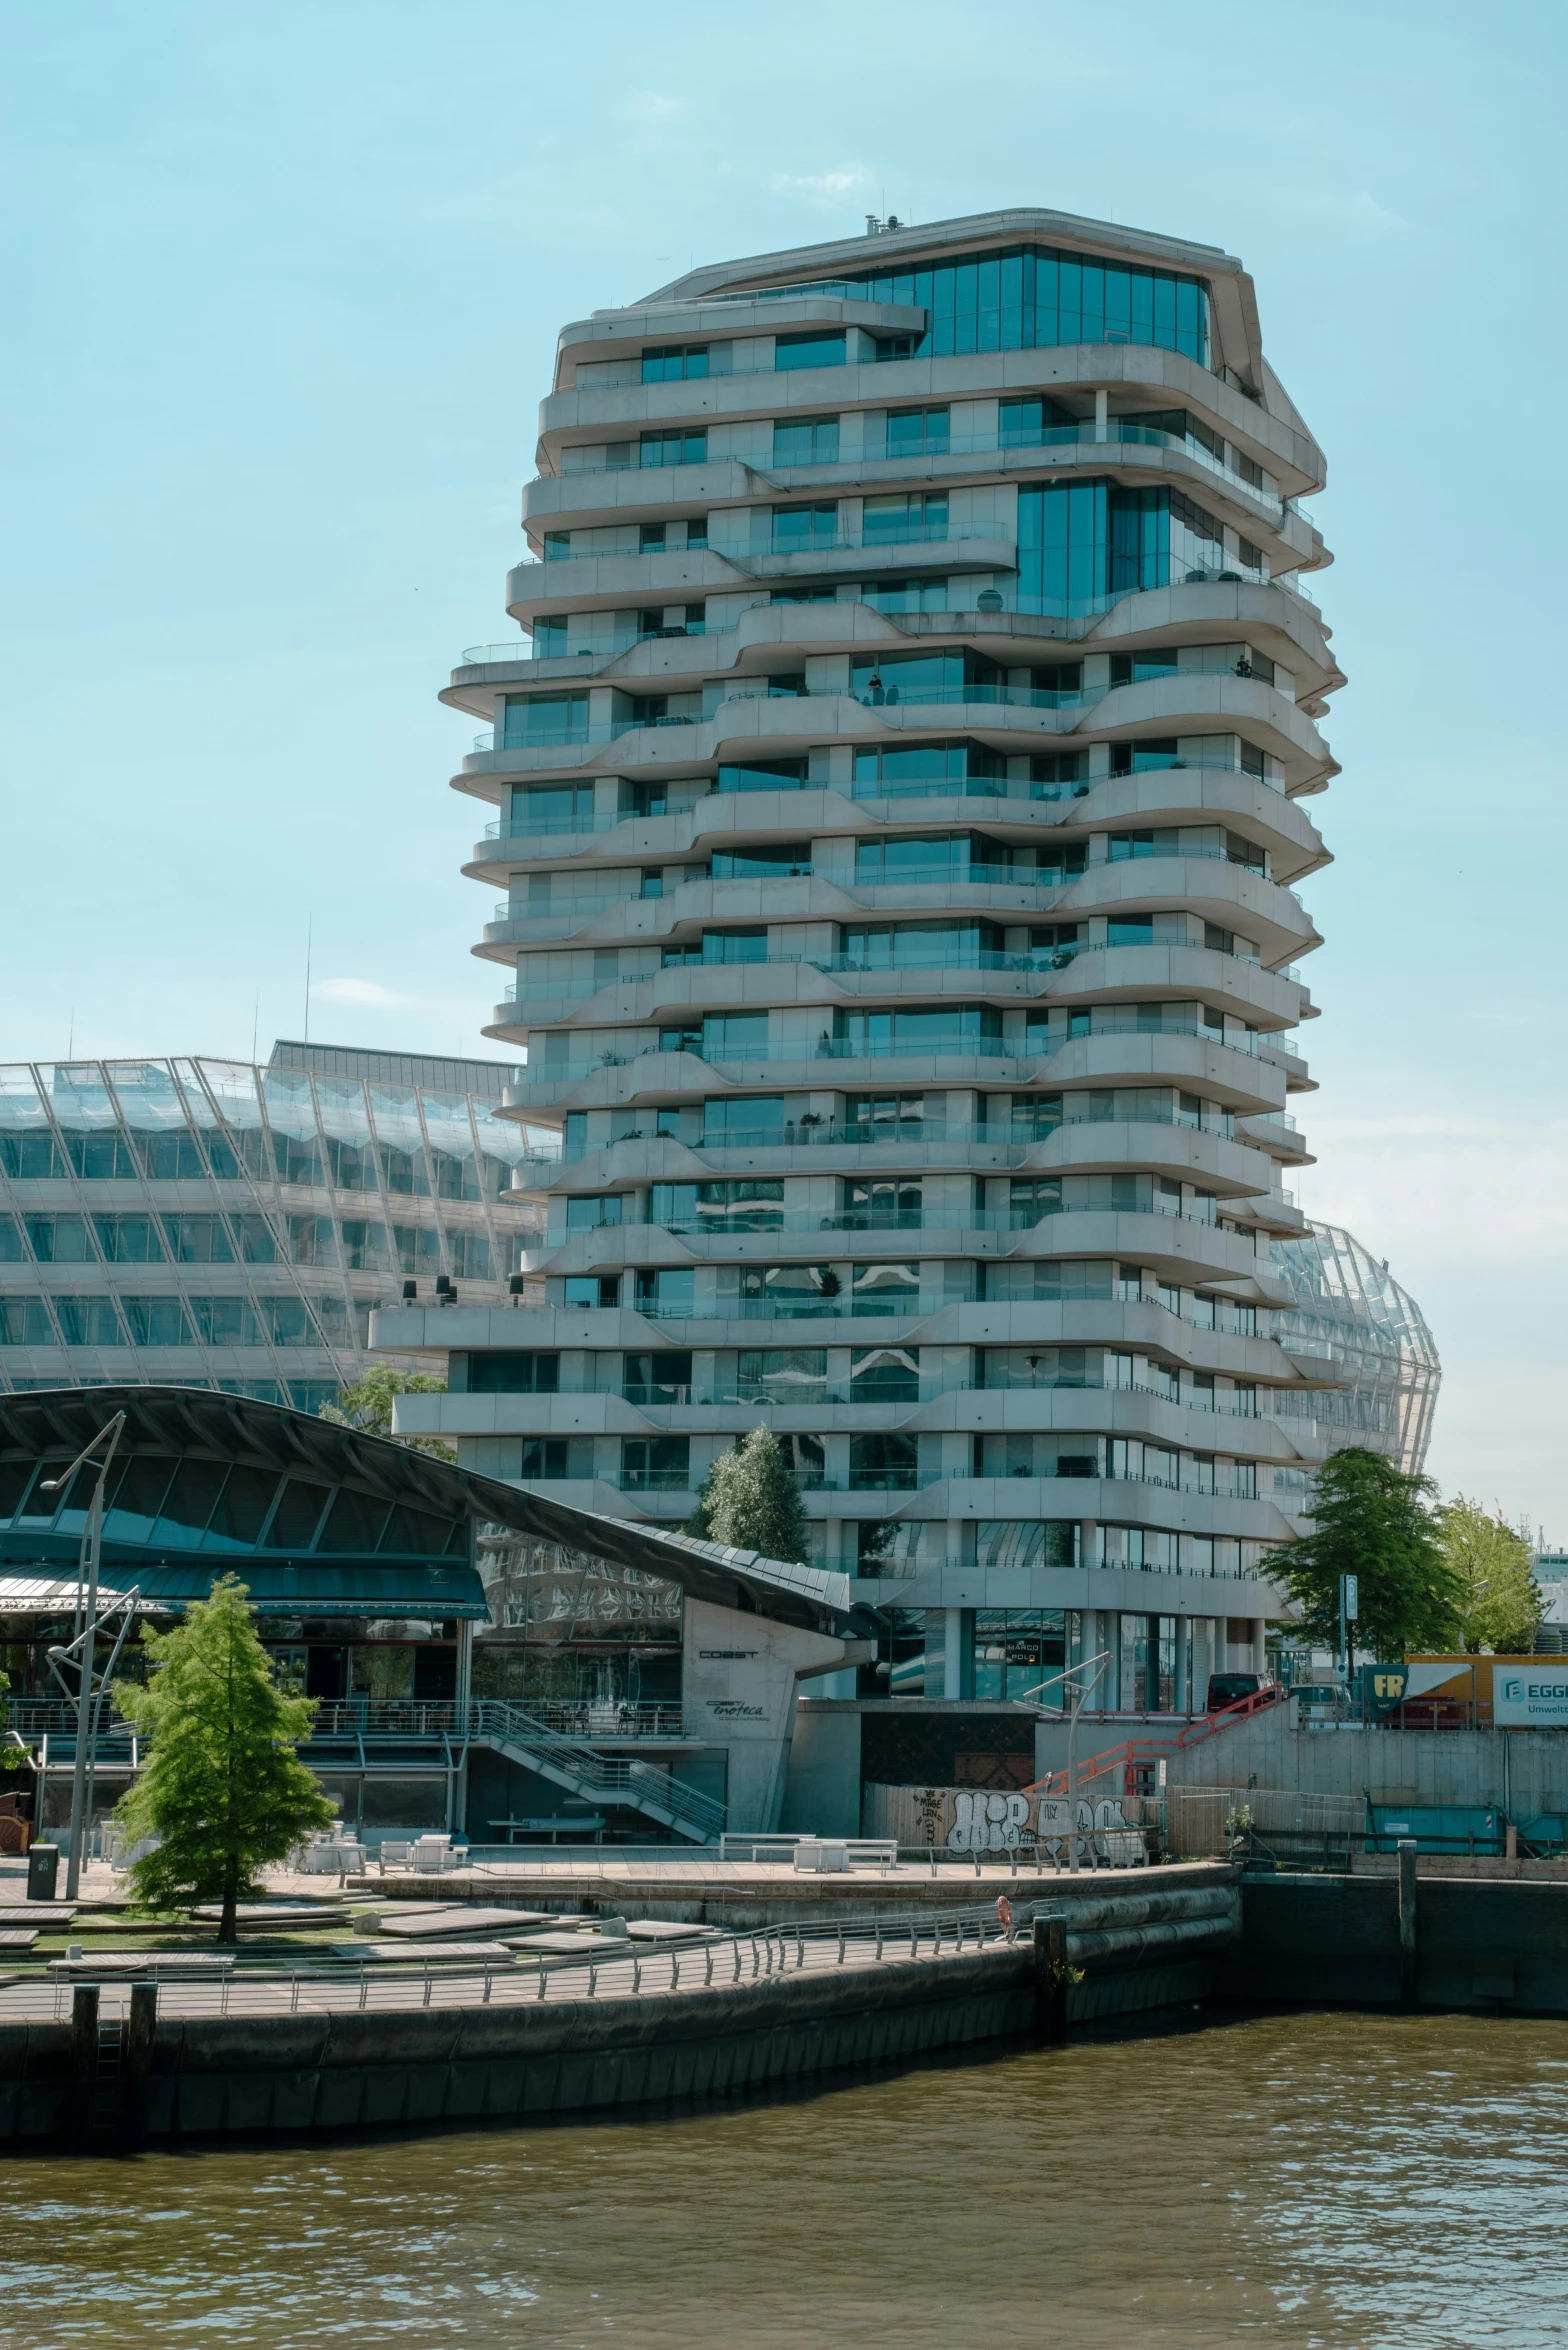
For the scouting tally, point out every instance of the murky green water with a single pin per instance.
(1331, 2179)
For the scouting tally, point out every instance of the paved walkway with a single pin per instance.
(616, 1971)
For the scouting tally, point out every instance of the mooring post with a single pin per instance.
(1407, 1922)
(84, 2057)
(1049, 1941)
(136, 2062)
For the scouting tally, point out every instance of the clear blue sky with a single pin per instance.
(282, 288)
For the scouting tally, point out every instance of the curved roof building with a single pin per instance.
(211, 1224)
(1352, 1316)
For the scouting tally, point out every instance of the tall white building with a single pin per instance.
(900, 785)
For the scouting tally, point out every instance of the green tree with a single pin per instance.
(1501, 1603)
(1370, 1520)
(367, 1404)
(750, 1500)
(12, 1752)
(224, 1791)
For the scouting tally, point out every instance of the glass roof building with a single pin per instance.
(1352, 1317)
(211, 1224)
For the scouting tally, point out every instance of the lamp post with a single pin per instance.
(1079, 1699)
(87, 1584)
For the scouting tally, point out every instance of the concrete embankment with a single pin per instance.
(739, 1898)
(200, 2074)
(1426, 1939)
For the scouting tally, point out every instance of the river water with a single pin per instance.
(1343, 2180)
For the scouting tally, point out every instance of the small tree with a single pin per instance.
(1368, 1520)
(367, 1404)
(1501, 1601)
(12, 1756)
(224, 1791)
(750, 1500)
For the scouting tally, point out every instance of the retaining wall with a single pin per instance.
(205, 2075)
(1523, 1770)
(1496, 1943)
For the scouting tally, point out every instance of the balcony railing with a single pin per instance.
(835, 1048)
(1086, 435)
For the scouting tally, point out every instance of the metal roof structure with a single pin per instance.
(189, 1423)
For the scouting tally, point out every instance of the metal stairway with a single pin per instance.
(566, 1762)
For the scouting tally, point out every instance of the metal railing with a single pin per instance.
(608, 1967)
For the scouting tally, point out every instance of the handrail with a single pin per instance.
(1135, 1750)
(650, 1788)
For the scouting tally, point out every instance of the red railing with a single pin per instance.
(1136, 1755)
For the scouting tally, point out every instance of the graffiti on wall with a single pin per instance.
(973, 1820)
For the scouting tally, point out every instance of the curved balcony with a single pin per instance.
(1151, 375)
(723, 473)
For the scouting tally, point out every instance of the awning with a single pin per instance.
(33, 1595)
(317, 1589)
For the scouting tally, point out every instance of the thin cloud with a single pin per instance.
(652, 106)
(368, 994)
(1358, 210)
(826, 189)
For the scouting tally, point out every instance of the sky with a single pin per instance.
(281, 296)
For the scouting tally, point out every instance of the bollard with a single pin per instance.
(1049, 1942)
(84, 2057)
(1407, 1922)
(136, 2062)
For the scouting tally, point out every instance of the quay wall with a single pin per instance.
(1497, 1943)
(742, 1903)
(214, 2076)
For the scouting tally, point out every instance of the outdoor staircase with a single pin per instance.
(1138, 1759)
(566, 1762)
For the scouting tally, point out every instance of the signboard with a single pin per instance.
(1530, 1695)
(1350, 1597)
(1383, 1687)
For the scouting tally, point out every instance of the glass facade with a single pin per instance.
(218, 1225)
(1370, 1334)
(1032, 296)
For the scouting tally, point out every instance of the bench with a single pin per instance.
(591, 1823)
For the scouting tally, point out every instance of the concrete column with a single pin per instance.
(1260, 1654)
(1183, 1633)
(953, 1653)
(1102, 405)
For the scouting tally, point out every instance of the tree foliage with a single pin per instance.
(750, 1500)
(11, 1757)
(1370, 1519)
(224, 1791)
(1501, 1602)
(367, 1404)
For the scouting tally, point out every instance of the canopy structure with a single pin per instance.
(321, 1519)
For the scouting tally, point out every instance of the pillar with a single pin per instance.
(953, 1652)
(1102, 407)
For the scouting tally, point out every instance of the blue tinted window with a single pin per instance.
(819, 350)
(806, 440)
(1033, 295)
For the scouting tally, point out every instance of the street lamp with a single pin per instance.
(1080, 1697)
(87, 1609)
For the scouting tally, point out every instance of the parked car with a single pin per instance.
(1230, 1688)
